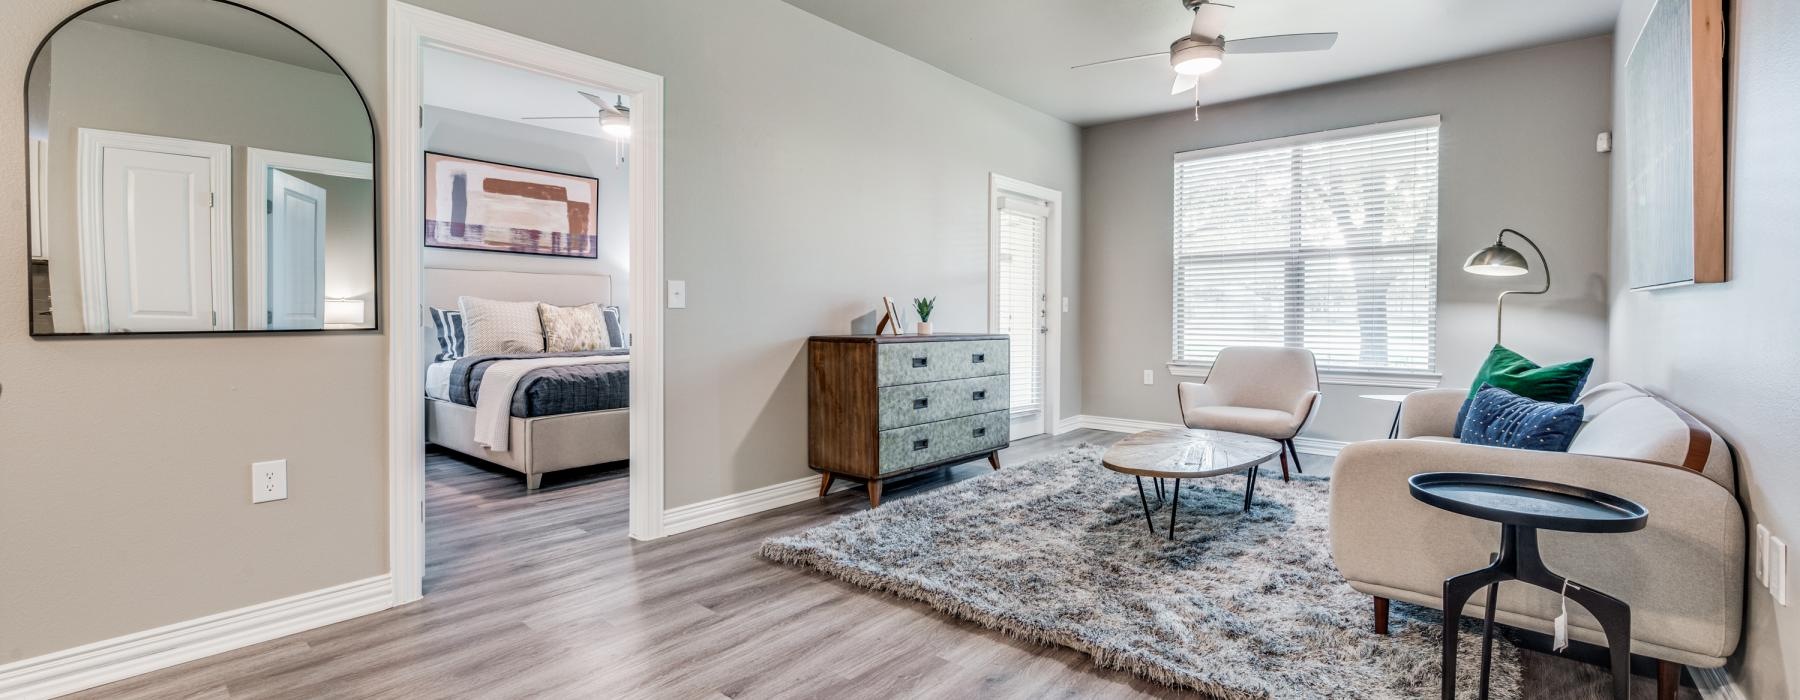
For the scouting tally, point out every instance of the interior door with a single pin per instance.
(296, 253)
(1021, 305)
(157, 227)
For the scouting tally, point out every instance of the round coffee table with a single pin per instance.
(1522, 507)
(1185, 453)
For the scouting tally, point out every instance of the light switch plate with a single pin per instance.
(1149, 377)
(1760, 555)
(1065, 305)
(677, 294)
(1778, 570)
(268, 481)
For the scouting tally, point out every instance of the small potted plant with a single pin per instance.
(923, 306)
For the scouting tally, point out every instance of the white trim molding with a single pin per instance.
(1716, 684)
(1397, 380)
(109, 660)
(1306, 445)
(410, 29)
(998, 186)
(717, 510)
(257, 163)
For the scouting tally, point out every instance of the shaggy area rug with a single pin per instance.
(1239, 606)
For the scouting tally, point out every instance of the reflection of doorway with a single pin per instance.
(1024, 286)
(289, 223)
(155, 237)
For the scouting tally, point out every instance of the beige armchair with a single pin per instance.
(1266, 392)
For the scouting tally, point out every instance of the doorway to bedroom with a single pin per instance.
(521, 433)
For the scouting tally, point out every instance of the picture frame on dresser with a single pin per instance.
(885, 406)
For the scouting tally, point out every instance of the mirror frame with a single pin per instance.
(378, 296)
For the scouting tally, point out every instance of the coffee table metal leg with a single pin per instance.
(1174, 507)
(1250, 486)
(1141, 499)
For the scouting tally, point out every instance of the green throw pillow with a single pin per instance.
(1511, 371)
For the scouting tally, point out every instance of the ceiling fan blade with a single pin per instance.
(1184, 83)
(597, 100)
(1159, 54)
(1282, 43)
(1209, 20)
(586, 117)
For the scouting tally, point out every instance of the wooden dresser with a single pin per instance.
(887, 405)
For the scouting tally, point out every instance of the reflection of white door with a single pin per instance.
(157, 223)
(296, 253)
(1020, 303)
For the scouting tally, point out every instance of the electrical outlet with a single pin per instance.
(1778, 571)
(268, 481)
(1760, 555)
(1149, 377)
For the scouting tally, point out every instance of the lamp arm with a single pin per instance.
(1500, 306)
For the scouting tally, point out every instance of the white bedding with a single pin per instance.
(437, 380)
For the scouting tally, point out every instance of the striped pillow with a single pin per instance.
(615, 329)
(452, 343)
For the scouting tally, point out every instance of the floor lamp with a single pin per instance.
(1498, 260)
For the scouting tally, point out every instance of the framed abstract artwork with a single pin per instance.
(477, 205)
(1672, 141)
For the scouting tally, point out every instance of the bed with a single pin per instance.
(542, 438)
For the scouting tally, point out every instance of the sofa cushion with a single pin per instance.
(1261, 422)
(1511, 371)
(1504, 419)
(1627, 422)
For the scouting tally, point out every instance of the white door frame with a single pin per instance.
(91, 145)
(257, 162)
(999, 185)
(410, 29)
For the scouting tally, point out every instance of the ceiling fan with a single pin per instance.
(1204, 47)
(615, 119)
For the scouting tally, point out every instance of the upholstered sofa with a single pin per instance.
(1682, 575)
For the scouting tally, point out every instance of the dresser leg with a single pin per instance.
(874, 493)
(994, 460)
(824, 483)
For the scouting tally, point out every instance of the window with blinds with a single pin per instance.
(1324, 241)
(1019, 295)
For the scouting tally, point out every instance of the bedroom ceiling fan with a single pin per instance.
(1205, 47)
(615, 119)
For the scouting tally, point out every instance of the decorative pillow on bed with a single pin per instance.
(500, 327)
(573, 328)
(615, 329)
(452, 343)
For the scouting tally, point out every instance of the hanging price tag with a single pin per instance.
(1562, 621)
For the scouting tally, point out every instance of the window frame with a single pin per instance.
(1421, 379)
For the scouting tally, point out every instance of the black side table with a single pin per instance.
(1522, 507)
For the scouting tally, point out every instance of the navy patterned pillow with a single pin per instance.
(1501, 418)
(452, 344)
(615, 331)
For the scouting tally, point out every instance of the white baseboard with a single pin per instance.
(1716, 684)
(738, 505)
(1306, 445)
(105, 661)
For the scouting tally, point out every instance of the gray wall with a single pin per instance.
(808, 171)
(107, 77)
(1726, 352)
(1517, 150)
(451, 132)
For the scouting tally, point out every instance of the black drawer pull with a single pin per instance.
(979, 395)
(920, 403)
(921, 444)
(978, 357)
(918, 362)
(979, 432)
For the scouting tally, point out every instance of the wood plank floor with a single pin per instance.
(542, 595)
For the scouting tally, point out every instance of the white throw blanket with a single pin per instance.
(493, 405)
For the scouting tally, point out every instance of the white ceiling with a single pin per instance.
(1023, 48)
(467, 84)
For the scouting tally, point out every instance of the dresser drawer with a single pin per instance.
(928, 443)
(934, 361)
(912, 404)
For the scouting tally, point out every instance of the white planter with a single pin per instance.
(924, 328)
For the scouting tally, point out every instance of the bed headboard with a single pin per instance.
(440, 286)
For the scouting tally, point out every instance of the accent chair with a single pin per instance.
(1266, 392)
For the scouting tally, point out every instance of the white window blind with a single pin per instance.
(1019, 295)
(1325, 241)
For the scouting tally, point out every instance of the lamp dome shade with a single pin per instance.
(1497, 261)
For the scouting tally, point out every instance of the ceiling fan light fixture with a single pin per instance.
(1192, 57)
(616, 124)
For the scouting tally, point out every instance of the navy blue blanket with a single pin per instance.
(548, 391)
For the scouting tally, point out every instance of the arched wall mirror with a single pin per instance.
(196, 166)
